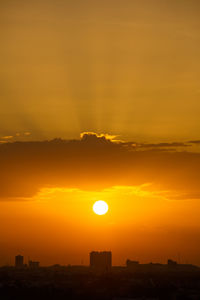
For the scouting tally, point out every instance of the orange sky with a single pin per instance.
(59, 226)
(128, 67)
(128, 71)
(48, 189)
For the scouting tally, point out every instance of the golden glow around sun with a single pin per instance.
(100, 207)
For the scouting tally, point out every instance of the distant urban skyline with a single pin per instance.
(97, 260)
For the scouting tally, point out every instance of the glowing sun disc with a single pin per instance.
(100, 207)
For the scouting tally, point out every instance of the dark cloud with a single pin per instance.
(194, 142)
(93, 162)
(165, 145)
(157, 146)
(183, 196)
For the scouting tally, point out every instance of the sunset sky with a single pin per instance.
(100, 100)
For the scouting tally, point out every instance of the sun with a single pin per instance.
(100, 207)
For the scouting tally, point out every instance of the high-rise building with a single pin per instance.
(19, 261)
(101, 261)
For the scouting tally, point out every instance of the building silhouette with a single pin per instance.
(171, 262)
(33, 264)
(131, 263)
(19, 261)
(101, 261)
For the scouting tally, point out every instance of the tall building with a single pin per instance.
(101, 261)
(19, 261)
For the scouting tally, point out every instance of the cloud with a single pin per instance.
(15, 137)
(27, 133)
(165, 145)
(173, 146)
(92, 163)
(194, 142)
(8, 137)
(93, 136)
